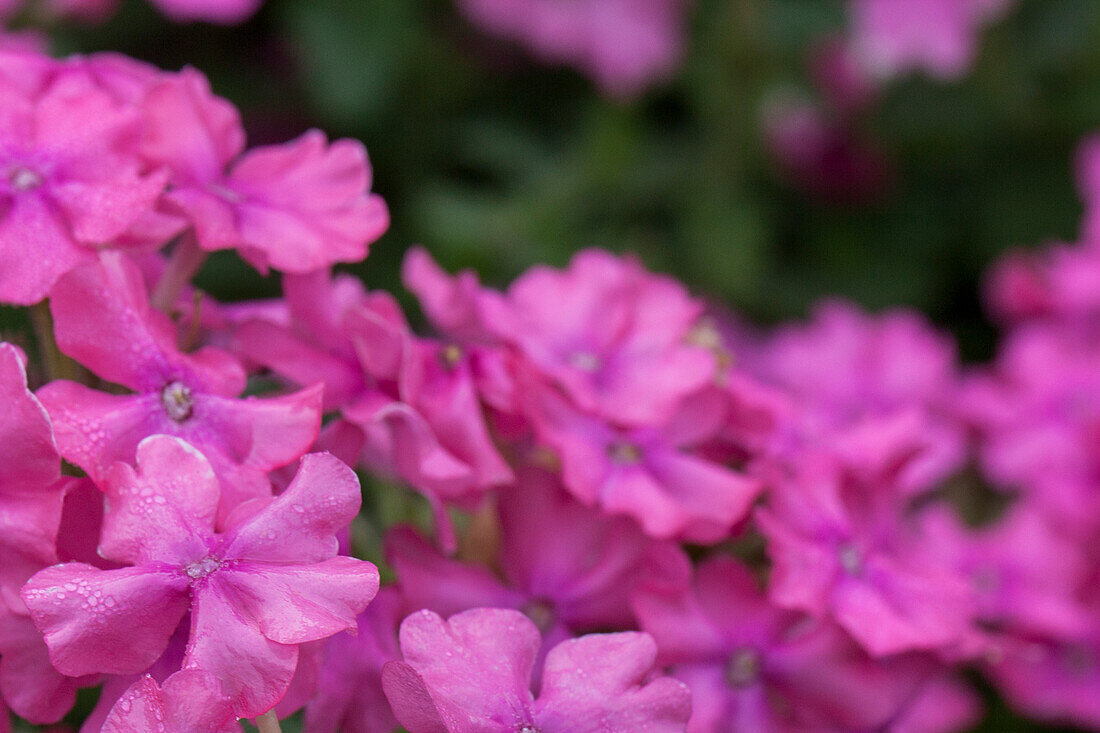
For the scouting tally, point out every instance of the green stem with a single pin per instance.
(185, 261)
(54, 363)
(268, 723)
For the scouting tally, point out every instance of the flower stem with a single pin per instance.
(184, 262)
(55, 364)
(268, 723)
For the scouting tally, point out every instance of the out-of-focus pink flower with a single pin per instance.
(226, 12)
(753, 666)
(570, 569)
(624, 45)
(349, 697)
(1060, 283)
(70, 183)
(1037, 416)
(611, 335)
(103, 320)
(841, 547)
(270, 582)
(891, 37)
(188, 701)
(1088, 183)
(472, 673)
(650, 473)
(846, 371)
(945, 704)
(297, 207)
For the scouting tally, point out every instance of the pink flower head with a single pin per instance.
(612, 336)
(891, 37)
(754, 667)
(1037, 415)
(624, 45)
(1060, 283)
(187, 702)
(297, 207)
(841, 548)
(571, 570)
(472, 673)
(70, 183)
(270, 582)
(103, 320)
(847, 370)
(414, 399)
(349, 697)
(650, 473)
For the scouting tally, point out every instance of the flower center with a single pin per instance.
(541, 614)
(850, 559)
(623, 451)
(177, 401)
(743, 669)
(585, 361)
(450, 355)
(527, 728)
(202, 568)
(24, 179)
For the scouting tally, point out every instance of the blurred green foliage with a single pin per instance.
(497, 163)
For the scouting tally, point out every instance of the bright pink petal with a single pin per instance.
(116, 621)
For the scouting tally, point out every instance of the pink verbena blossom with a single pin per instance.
(624, 45)
(349, 697)
(891, 37)
(568, 568)
(841, 547)
(270, 582)
(188, 701)
(473, 673)
(753, 666)
(70, 182)
(103, 320)
(297, 207)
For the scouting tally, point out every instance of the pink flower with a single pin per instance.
(847, 371)
(754, 667)
(1088, 183)
(270, 582)
(71, 183)
(103, 320)
(473, 673)
(937, 36)
(226, 12)
(1058, 284)
(188, 701)
(841, 548)
(624, 45)
(651, 473)
(612, 336)
(349, 697)
(30, 491)
(571, 570)
(297, 207)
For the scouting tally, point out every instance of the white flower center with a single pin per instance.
(177, 401)
(202, 568)
(24, 179)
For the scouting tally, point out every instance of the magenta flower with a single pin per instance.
(188, 701)
(570, 569)
(937, 36)
(103, 320)
(226, 12)
(70, 183)
(270, 582)
(754, 667)
(846, 371)
(349, 697)
(612, 336)
(650, 473)
(30, 491)
(1060, 283)
(472, 673)
(841, 548)
(297, 207)
(624, 45)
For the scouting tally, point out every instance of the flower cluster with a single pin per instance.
(644, 514)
